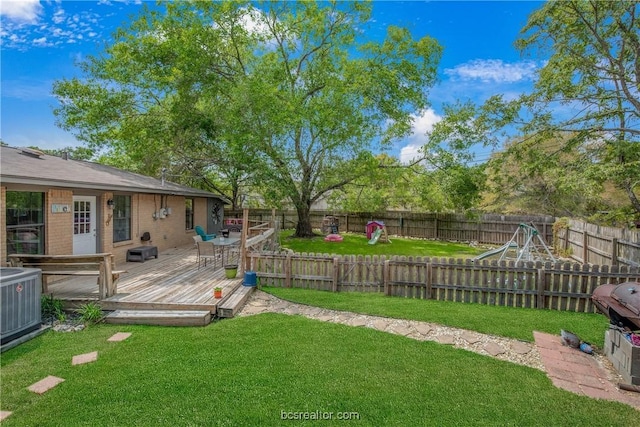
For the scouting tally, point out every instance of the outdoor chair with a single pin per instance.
(204, 235)
(207, 251)
(197, 239)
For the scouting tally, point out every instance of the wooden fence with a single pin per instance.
(488, 228)
(558, 286)
(595, 244)
(583, 242)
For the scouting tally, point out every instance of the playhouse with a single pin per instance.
(372, 226)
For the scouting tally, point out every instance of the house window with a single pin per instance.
(25, 222)
(188, 211)
(121, 218)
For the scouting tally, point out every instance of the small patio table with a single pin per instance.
(225, 243)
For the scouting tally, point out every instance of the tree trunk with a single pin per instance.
(303, 228)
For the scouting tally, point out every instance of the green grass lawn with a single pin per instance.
(357, 244)
(249, 371)
(507, 322)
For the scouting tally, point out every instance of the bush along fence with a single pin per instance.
(555, 286)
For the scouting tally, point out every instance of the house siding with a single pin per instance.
(165, 232)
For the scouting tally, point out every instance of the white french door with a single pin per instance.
(84, 225)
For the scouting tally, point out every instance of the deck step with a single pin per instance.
(160, 317)
(230, 306)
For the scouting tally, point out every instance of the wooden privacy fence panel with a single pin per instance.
(599, 245)
(488, 228)
(555, 286)
(584, 242)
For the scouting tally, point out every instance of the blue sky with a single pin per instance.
(43, 40)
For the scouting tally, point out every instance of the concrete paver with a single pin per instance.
(45, 384)
(570, 369)
(81, 359)
(120, 336)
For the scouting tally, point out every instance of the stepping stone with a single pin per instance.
(494, 349)
(521, 348)
(358, 321)
(4, 415)
(380, 324)
(343, 319)
(446, 339)
(401, 330)
(120, 336)
(84, 358)
(291, 310)
(470, 338)
(422, 328)
(45, 384)
(325, 318)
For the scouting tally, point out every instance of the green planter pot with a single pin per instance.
(230, 271)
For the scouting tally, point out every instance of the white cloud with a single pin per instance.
(422, 124)
(494, 70)
(58, 16)
(42, 41)
(23, 11)
(51, 27)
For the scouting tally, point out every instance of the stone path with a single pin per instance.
(511, 350)
(567, 368)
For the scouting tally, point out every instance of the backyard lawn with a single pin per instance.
(510, 322)
(257, 370)
(357, 244)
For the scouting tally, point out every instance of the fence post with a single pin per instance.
(585, 246)
(287, 271)
(614, 251)
(428, 279)
(336, 273)
(435, 222)
(385, 277)
(542, 285)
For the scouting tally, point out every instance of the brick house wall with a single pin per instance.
(58, 235)
(167, 232)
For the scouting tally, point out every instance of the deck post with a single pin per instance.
(244, 259)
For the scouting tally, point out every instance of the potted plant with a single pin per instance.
(231, 270)
(217, 292)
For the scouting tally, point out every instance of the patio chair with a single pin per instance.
(204, 235)
(197, 239)
(207, 250)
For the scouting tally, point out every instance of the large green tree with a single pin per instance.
(291, 96)
(586, 99)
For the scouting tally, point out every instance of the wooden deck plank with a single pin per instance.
(160, 317)
(230, 306)
(173, 281)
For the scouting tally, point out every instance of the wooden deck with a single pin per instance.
(171, 282)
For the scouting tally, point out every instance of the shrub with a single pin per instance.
(90, 313)
(51, 307)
